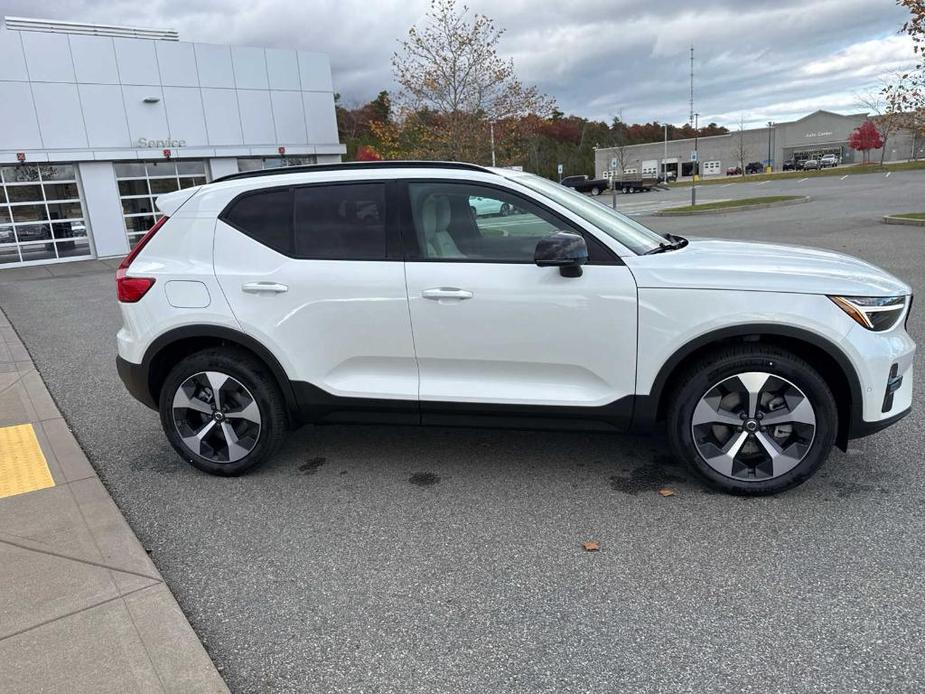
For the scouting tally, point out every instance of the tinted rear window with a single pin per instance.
(345, 221)
(265, 216)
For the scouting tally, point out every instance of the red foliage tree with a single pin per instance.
(865, 138)
(367, 153)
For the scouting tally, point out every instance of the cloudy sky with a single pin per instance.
(758, 60)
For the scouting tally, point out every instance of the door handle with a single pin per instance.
(438, 293)
(264, 287)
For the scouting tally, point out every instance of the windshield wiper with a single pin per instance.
(672, 243)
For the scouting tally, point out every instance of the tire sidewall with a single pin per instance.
(797, 372)
(251, 377)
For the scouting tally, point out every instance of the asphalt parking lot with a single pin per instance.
(373, 559)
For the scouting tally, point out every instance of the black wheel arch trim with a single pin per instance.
(647, 406)
(137, 377)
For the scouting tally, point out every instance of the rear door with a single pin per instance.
(313, 273)
(490, 327)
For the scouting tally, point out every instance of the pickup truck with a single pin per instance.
(584, 184)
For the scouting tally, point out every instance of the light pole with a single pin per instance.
(491, 126)
(696, 167)
(770, 165)
(665, 156)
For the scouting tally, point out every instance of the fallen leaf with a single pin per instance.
(591, 546)
(666, 491)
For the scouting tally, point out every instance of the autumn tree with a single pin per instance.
(450, 66)
(865, 138)
(906, 92)
(888, 119)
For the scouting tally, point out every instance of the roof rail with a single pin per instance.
(349, 165)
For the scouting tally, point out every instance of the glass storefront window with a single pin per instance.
(41, 214)
(140, 182)
(258, 163)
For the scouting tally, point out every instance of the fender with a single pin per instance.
(646, 408)
(217, 332)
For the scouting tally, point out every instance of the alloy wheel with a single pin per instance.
(216, 417)
(753, 426)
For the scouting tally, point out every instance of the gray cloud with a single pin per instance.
(759, 60)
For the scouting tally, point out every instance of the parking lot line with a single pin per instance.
(803, 179)
(763, 182)
(843, 177)
(23, 467)
(888, 174)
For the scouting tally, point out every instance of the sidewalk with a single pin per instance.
(82, 607)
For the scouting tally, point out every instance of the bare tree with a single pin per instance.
(887, 117)
(450, 67)
(741, 149)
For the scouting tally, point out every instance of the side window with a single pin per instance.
(265, 216)
(340, 222)
(462, 221)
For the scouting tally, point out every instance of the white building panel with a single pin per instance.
(60, 119)
(19, 129)
(144, 120)
(137, 61)
(12, 62)
(104, 115)
(177, 64)
(185, 116)
(101, 200)
(289, 117)
(222, 121)
(214, 65)
(94, 59)
(320, 117)
(282, 69)
(48, 57)
(315, 72)
(250, 67)
(256, 117)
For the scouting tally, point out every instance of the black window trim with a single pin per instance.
(393, 242)
(412, 251)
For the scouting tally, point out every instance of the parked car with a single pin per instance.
(754, 167)
(263, 300)
(810, 165)
(668, 177)
(483, 207)
(789, 165)
(828, 161)
(733, 170)
(585, 184)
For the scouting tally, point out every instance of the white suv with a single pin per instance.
(371, 292)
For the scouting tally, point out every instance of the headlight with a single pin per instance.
(874, 313)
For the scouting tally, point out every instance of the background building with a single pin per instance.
(98, 120)
(810, 137)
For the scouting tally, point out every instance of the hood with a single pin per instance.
(720, 264)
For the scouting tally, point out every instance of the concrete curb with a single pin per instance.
(739, 208)
(86, 609)
(893, 219)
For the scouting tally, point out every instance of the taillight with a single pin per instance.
(131, 289)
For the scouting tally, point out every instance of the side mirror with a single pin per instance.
(564, 250)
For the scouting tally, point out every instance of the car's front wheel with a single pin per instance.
(753, 420)
(222, 411)
(595, 191)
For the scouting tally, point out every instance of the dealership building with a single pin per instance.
(97, 121)
(810, 137)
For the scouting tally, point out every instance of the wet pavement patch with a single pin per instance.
(424, 479)
(310, 466)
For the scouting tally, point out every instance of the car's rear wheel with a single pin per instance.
(595, 191)
(505, 209)
(222, 411)
(753, 420)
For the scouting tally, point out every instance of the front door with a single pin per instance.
(310, 272)
(490, 327)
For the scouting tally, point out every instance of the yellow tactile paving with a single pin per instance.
(23, 467)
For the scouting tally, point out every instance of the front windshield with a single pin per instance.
(630, 233)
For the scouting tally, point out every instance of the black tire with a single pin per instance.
(595, 191)
(260, 383)
(707, 373)
(505, 209)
